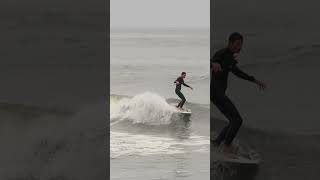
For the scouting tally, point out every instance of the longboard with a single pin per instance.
(184, 112)
(236, 158)
(239, 160)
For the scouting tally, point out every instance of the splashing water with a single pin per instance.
(145, 108)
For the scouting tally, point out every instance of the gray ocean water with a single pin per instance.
(281, 124)
(52, 95)
(148, 139)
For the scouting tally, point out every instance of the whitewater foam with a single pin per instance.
(126, 144)
(152, 110)
(145, 108)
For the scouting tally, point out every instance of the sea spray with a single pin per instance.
(145, 108)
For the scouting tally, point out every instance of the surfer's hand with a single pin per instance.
(191, 88)
(216, 67)
(261, 85)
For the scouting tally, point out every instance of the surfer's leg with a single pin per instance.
(179, 95)
(219, 101)
(218, 140)
(227, 108)
(183, 99)
(178, 104)
(231, 112)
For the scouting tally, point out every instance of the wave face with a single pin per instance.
(52, 143)
(148, 124)
(281, 152)
(146, 108)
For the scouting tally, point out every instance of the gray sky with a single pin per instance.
(159, 13)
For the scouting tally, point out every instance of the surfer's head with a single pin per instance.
(235, 42)
(183, 74)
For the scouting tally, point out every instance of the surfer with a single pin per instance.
(178, 83)
(221, 64)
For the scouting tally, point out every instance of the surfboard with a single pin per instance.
(239, 160)
(186, 111)
(250, 159)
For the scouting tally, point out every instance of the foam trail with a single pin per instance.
(126, 144)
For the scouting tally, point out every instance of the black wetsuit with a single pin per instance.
(218, 86)
(178, 91)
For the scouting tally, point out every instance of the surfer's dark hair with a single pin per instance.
(183, 73)
(235, 36)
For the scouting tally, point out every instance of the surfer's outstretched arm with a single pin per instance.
(187, 85)
(239, 73)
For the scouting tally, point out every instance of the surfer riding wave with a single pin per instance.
(222, 63)
(178, 83)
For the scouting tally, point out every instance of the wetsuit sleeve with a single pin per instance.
(182, 82)
(236, 71)
(185, 84)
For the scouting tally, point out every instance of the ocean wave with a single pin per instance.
(145, 108)
(277, 150)
(50, 146)
(146, 124)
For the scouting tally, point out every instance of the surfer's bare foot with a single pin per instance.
(228, 150)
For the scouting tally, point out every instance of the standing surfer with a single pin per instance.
(178, 83)
(221, 64)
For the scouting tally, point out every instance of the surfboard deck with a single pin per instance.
(186, 111)
(239, 160)
(252, 159)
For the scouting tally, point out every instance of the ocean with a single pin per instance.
(148, 139)
(53, 103)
